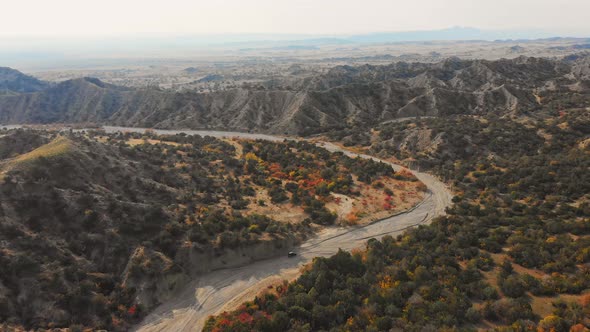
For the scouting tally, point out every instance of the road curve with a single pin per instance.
(219, 290)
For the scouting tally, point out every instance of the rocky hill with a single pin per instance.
(344, 97)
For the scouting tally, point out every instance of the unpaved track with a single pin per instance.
(220, 290)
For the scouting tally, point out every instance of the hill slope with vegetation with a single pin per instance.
(511, 255)
(96, 229)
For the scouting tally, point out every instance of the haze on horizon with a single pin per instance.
(109, 18)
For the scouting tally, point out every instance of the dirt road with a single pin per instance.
(223, 289)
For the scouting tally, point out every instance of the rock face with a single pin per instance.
(343, 97)
(166, 279)
(199, 261)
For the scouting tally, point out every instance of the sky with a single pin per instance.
(104, 18)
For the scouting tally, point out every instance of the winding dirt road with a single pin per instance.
(224, 289)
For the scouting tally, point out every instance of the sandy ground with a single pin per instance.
(285, 212)
(343, 208)
(224, 289)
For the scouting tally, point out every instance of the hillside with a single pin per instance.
(14, 81)
(118, 222)
(97, 229)
(512, 254)
(344, 97)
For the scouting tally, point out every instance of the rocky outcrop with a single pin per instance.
(153, 276)
(197, 261)
(156, 278)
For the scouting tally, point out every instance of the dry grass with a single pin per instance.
(584, 144)
(374, 204)
(342, 206)
(541, 305)
(58, 146)
(235, 143)
(284, 212)
(350, 210)
(54, 148)
(140, 141)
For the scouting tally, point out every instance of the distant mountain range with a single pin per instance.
(72, 51)
(344, 97)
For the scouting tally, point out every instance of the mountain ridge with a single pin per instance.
(12, 80)
(345, 96)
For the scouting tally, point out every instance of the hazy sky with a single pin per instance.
(184, 17)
